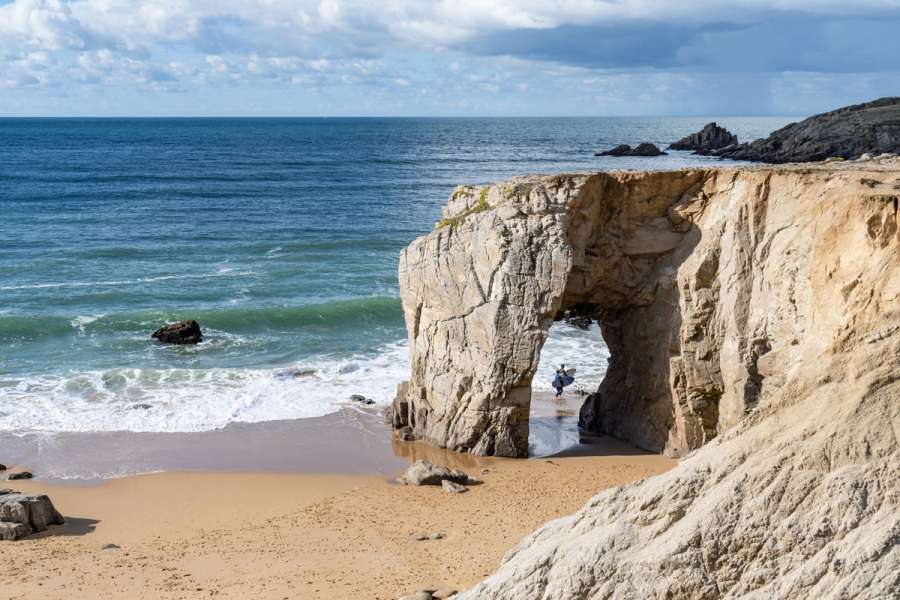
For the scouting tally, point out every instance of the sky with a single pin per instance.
(444, 57)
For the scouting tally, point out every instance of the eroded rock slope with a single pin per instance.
(751, 312)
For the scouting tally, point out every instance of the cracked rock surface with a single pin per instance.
(24, 514)
(752, 316)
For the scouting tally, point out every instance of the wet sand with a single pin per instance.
(354, 440)
(303, 534)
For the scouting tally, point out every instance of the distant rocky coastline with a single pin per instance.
(847, 133)
(871, 128)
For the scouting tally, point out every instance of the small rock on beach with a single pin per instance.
(453, 488)
(423, 472)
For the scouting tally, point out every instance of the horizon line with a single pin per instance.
(700, 116)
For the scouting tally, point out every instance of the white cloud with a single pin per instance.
(176, 44)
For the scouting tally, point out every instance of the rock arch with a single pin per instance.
(667, 262)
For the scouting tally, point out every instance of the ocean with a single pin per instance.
(280, 236)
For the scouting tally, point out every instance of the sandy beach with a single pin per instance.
(222, 533)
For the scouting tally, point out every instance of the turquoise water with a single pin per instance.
(280, 236)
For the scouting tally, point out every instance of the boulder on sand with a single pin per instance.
(423, 472)
(711, 137)
(183, 332)
(24, 514)
(453, 488)
(406, 434)
(20, 475)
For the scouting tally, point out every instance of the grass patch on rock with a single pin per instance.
(481, 206)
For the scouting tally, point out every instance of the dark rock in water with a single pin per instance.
(185, 332)
(141, 406)
(620, 150)
(579, 321)
(848, 133)
(406, 434)
(2, 467)
(645, 149)
(20, 475)
(361, 399)
(580, 315)
(711, 137)
(24, 514)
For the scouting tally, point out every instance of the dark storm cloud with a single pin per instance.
(791, 42)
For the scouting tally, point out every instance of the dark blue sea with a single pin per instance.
(280, 236)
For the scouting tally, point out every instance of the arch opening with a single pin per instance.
(576, 341)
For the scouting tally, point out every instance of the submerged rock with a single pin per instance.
(361, 399)
(423, 472)
(645, 149)
(711, 137)
(183, 332)
(24, 514)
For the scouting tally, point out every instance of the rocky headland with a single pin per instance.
(848, 133)
(753, 319)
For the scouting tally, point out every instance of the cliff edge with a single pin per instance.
(752, 315)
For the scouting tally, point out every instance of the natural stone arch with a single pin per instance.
(481, 291)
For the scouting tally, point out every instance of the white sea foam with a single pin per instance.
(584, 350)
(184, 400)
(117, 282)
(81, 321)
(196, 399)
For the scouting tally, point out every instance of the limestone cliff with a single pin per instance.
(753, 312)
(703, 282)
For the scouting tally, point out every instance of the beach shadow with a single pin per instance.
(599, 445)
(74, 526)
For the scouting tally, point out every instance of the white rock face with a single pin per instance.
(700, 280)
(752, 312)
